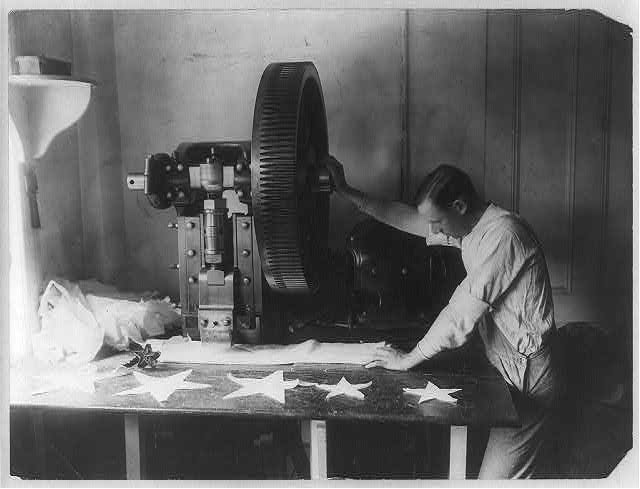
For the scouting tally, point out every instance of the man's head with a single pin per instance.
(447, 199)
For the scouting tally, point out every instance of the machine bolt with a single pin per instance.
(239, 167)
(172, 225)
(240, 192)
(180, 167)
(245, 225)
(192, 279)
(207, 159)
(246, 252)
(227, 321)
(191, 252)
(246, 280)
(203, 322)
(175, 266)
(169, 195)
(168, 167)
(190, 225)
(181, 194)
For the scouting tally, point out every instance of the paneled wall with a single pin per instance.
(101, 180)
(535, 105)
(446, 106)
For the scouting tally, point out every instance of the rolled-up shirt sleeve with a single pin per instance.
(499, 261)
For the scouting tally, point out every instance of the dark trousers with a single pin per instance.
(537, 383)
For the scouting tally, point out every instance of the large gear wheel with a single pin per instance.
(291, 210)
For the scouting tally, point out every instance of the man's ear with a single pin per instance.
(460, 206)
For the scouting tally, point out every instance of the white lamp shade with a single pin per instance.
(42, 106)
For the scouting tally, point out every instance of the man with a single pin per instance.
(506, 295)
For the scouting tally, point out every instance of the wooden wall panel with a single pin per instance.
(503, 98)
(590, 165)
(446, 93)
(102, 184)
(618, 273)
(546, 135)
(566, 119)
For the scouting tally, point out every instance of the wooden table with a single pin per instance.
(483, 401)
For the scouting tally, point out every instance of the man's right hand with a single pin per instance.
(337, 173)
(393, 213)
(391, 358)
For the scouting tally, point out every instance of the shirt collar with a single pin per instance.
(491, 212)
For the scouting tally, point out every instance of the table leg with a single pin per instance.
(40, 440)
(458, 453)
(318, 449)
(296, 447)
(133, 447)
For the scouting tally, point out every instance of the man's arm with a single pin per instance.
(396, 214)
(451, 329)
(502, 260)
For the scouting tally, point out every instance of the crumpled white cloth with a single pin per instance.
(77, 319)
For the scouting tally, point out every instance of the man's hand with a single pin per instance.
(337, 173)
(391, 358)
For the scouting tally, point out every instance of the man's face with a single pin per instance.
(449, 221)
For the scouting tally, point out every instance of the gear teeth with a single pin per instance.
(274, 180)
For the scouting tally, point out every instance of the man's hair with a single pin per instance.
(444, 185)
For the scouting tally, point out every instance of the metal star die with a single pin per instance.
(143, 356)
(272, 386)
(162, 387)
(432, 391)
(344, 387)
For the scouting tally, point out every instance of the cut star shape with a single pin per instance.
(73, 378)
(432, 391)
(273, 386)
(76, 379)
(162, 387)
(344, 387)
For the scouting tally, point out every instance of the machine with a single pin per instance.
(252, 215)
(396, 282)
(252, 223)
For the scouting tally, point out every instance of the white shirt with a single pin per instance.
(507, 285)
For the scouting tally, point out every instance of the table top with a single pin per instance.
(484, 399)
